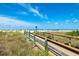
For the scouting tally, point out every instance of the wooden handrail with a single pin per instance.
(60, 44)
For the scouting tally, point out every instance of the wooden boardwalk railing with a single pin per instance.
(53, 41)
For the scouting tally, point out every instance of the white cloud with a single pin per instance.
(10, 22)
(73, 20)
(31, 9)
(35, 10)
(38, 13)
(76, 21)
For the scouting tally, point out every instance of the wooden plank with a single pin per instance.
(63, 45)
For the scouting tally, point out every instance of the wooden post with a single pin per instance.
(34, 40)
(35, 33)
(25, 32)
(69, 41)
(29, 34)
(46, 47)
(43, 34)
(53, 36)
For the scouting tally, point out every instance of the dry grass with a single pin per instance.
(15, 44)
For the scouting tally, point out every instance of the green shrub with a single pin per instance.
(73, 33)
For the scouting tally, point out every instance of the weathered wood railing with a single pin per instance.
(29, 35)
(55, 42)
(61, 44)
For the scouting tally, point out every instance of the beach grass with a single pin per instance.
(16, 44)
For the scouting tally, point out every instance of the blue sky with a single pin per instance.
(43, 15)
